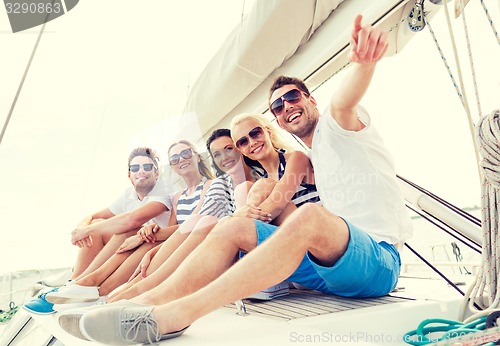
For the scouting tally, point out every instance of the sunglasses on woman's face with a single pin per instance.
(135, 167)
(255, 133)
(292, 96)
(186, 154)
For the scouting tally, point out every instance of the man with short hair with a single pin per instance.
(346, 247)
(99, 235)
(140, 204)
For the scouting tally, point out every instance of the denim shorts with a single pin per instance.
(367, 268)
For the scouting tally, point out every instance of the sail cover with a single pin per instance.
(304, 38)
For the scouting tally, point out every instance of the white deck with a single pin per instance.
(380, 324)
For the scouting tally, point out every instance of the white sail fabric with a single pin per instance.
(268, 36)
(304, 38)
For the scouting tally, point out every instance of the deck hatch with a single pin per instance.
(306, 303)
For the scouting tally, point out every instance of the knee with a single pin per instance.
(263, 185)
(310, 210)
(234, 229)
(260, 191)
(205, 224)
(315, 216)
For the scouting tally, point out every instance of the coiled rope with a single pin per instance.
(486, 289)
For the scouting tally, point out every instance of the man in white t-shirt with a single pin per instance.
(346, 247)
(99, 235)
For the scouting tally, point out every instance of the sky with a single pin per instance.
(106, 72)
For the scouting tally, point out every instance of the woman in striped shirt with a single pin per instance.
(191, 167)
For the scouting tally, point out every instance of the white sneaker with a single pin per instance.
(74, 294)
(270, 293)
(72, 306)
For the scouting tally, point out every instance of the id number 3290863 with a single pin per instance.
(33, 7)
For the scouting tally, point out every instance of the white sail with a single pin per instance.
(307, 39)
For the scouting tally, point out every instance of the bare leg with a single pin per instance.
(260, 191)
(123, 273)
(195, 238)
(218, 252)
(116, 270)
(167, 249)
(272, 262)
(105, 252)
(86, 255)
(241, 193)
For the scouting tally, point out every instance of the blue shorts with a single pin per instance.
(367, 268)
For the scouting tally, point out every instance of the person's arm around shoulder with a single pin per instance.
(368, 46)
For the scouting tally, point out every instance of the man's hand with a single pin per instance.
(79, 234)
(368, 44)
(85, 242)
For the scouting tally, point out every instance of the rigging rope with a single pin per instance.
(491, 21)
(460, 90)
(473, 71)
(486, 289)
(20, 87)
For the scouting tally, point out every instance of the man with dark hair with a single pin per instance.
(346, 247)
(100, 234)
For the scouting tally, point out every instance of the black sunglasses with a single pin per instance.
(135, 167)
(185, 154)
(255, 133)
(292, 96)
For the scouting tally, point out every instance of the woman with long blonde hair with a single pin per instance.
(289, 179)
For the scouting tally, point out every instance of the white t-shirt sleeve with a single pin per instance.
(120, 205)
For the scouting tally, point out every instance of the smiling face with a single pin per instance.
(224, 153)
(143, 181)
(258, 143)
(299, 118)
(182, 165)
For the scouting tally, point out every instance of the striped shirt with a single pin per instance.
(187, 204)
(306, 193)
(219, 198)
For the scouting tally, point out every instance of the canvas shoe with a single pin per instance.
(40, 305)
(118, 325)
(270, 293)
(74, 293)
(72, 306)
(69, 320)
